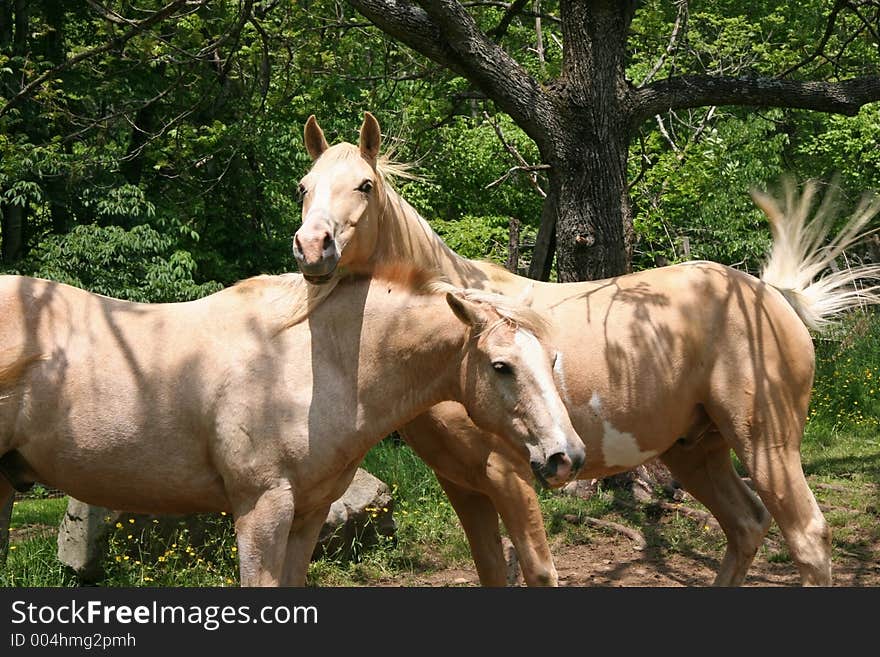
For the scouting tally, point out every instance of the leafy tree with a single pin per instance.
(584, 105)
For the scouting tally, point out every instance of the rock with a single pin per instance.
(582, 488)
(85, 530)
(358, 518)
(514, 576)
(355, 521)
(82, 538)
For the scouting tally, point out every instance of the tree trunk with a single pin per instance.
(5, 24)
(55, 50)
(142, 128)
(589, 199)
(587, 216)
(20, 38)
(13, 221)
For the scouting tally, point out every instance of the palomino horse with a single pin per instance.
(683, 362)
(261, 399)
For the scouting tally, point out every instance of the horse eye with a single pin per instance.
(365, 186)
(302, 191)
(502, 368)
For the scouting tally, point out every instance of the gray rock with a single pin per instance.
(82, 537)
(358, 518)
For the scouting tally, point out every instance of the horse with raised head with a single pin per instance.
(684, 362)
(261, 399)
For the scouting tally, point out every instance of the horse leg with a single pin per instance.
(479, 519)
(779, 479)
(509, 484)
(482, 467)
(767, 439)
(301, 543)
(262, 525)
(704, 468)
(7, 496)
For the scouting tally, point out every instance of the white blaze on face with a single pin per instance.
(619, 448)
(320, 207)
(534, 359)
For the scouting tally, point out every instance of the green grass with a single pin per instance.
(38, 512)
(840, 452)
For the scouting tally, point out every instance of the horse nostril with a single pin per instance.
(328, 241)
(559, 465)
(297, 247)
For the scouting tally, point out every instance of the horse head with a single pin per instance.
(342, 196)
(507, 383)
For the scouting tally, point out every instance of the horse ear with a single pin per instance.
(467, 311)
(371, 137)
(316, 144)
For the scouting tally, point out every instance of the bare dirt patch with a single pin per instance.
(611, 561)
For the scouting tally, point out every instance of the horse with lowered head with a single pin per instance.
(685, 362)
(261, 399)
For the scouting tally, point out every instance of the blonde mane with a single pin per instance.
(299, 299)
(512, 313)
(392, 170)
(429, 282)
(388, 168)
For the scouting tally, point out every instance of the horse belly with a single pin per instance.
(127, 479)
(618, 438)
(110, 453)
(630, 393)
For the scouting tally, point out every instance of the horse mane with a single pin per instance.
(11, 372)
(291, 294)
(298, 298)
(512, 312)
(392, 170)
(387, 166)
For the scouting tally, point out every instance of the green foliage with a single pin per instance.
(144, 557)
(36, 509)
(846, 393)
(836, 144)
(475, 237)
(702, 193)
(139, 264)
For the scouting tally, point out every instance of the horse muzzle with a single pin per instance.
(316, 254)
(558, 469)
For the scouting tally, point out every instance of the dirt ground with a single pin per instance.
(612, 561)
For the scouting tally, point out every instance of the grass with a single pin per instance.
(840, 452)
(39, 512)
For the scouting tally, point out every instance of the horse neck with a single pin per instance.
(406, 236)
(409, 355)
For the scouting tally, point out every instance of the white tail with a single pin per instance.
(800, 260)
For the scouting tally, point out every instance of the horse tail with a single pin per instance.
(802, 261)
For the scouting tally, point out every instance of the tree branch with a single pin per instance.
(445, 32)
(531, 13)
(844, 97)
(522, 165)
(680, 23)
(409, 24)
(820, 47)
(501, 29)
(137, 27)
